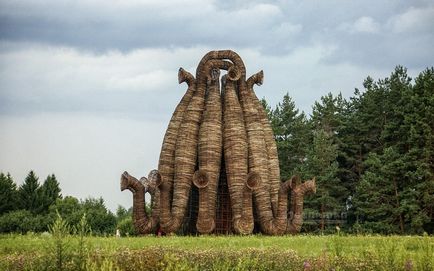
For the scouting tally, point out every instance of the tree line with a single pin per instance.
(32, 207)
(371, 154)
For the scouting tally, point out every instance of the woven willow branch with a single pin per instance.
(235, 147)
(166, 165)
(297, 196)
(270, 143)
(142, 223)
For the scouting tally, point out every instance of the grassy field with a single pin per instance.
(304, 252)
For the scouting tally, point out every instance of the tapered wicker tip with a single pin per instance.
(259, 78)
(143, 180)
(185, 76)
(310, 186)
(295, 180)
(124, 180)
(200, 179)
(181, 75)
(155, 177)
(314, 185)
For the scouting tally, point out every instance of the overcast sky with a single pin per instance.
(87, 87)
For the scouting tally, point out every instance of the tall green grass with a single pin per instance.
(303, 252)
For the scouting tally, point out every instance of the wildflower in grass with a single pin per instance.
(306, 265)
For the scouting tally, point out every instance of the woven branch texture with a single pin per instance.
(218, 168)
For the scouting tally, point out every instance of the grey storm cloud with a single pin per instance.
(129, 25)
(89, 86)
(274, 27)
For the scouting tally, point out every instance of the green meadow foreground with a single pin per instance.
(304, 252)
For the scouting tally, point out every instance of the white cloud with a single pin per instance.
(64, 79)
(287, 29)
(413, 20)
(366, 24)
(361, 25)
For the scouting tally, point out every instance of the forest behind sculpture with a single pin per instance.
(218, 170)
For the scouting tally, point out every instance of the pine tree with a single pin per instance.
(267, 109)
(8, 193)
(363, 121)
(321, 164)
(100, 219)
(421, 141)
(324, 156)
(49, 192)
(292, 135)
(401, 174)
(378, 198)
(28, 193)
(327, 115)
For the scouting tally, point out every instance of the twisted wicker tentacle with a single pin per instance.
(235, 147)
(151, 186)
(245, 223)
(270, 143)
(166, 165)
(272, 213)
(297, 197)
(186, 153)
(210, 142)
(142, 223)
(210, 150)
(258, 162)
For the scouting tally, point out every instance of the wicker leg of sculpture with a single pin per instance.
(235, 152)
(245, 224)
(210, 152)
(166, 165)
(297, 196)
(270, 143)
(142, 223)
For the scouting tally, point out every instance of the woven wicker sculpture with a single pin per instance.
(213, 136)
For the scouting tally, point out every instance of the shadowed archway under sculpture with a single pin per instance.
(218, 164)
